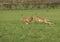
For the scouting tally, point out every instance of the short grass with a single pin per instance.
(12, 29)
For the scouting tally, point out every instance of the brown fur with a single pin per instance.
(44, 20)
(27, 20)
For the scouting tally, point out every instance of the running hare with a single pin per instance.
(27, 20)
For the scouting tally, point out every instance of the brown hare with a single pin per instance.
(27, 20)
(44, 20)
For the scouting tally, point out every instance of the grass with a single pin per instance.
(14, 30)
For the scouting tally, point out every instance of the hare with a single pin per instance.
(27, 20)
(44, 20)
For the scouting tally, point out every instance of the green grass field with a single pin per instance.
(12, 29)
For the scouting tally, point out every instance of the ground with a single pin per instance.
(12, 29)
